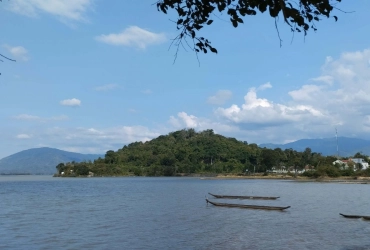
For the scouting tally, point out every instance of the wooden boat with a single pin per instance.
(243, 197)
(246, 206)
(366, 217)
(351, 216)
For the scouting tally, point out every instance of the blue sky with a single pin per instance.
(92, 76)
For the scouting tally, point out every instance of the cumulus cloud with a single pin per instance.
(65, 9)
(311, 111)
(338, 98)
(107, 87)
(18, 52)
(220, 97)
(71, 102)
(133, 37)
(264, 112)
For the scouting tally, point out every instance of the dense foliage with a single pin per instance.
(194, 15)
(189, 152)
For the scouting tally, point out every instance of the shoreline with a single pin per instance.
(349, 180)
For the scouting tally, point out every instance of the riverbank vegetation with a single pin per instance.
(187, 152)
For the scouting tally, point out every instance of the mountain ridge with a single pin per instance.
(327, 146)
(40, 160)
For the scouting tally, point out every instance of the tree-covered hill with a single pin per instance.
(187, 152)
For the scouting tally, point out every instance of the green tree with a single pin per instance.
(270, 158)
(194, 15)
(60, 167)
(110, 157)
(81, 169)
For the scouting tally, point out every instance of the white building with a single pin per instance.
(364, 164)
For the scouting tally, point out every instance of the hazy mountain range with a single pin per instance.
(328, 146)
(40, 161)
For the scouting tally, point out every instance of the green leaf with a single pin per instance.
(213, 50)
(234, 22)
(209, 22)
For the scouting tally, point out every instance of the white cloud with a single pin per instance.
(17, 52)
(23, 136)
(71, 102)
(183, 120)
(133, 37)
(96, 140)
(265, 86)
(26, 117)
(325, 79)
(311, 111)
(64, 9)
(338, 98)
(307, 93)
(107, 87)
(264, 112)
(220, 97)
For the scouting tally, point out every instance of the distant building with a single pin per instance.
(345, 164)
(361, 161)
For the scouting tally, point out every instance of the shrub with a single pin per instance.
(311, 174)
(330, 171)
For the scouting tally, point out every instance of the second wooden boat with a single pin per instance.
(246, 206)
(366, 217)
(243, 197)
(351, 216)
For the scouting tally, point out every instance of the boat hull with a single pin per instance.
(350, 216)
(246, 206)
(243, 197)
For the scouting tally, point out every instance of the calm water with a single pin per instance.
(41, 212)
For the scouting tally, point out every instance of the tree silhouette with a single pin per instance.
(194, 15)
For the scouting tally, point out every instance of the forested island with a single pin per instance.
(187, 152)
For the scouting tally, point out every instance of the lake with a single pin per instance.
(42, 212)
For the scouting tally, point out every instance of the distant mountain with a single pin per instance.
(40, 160)
(328, 146)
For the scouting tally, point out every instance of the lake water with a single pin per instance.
(42, 212)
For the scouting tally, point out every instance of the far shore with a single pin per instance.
(208, 176)
(350, 179)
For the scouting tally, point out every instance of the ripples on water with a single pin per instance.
(41, 212)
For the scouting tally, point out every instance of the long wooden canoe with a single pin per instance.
(351, 216)
(243, 197)
(246, 206)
